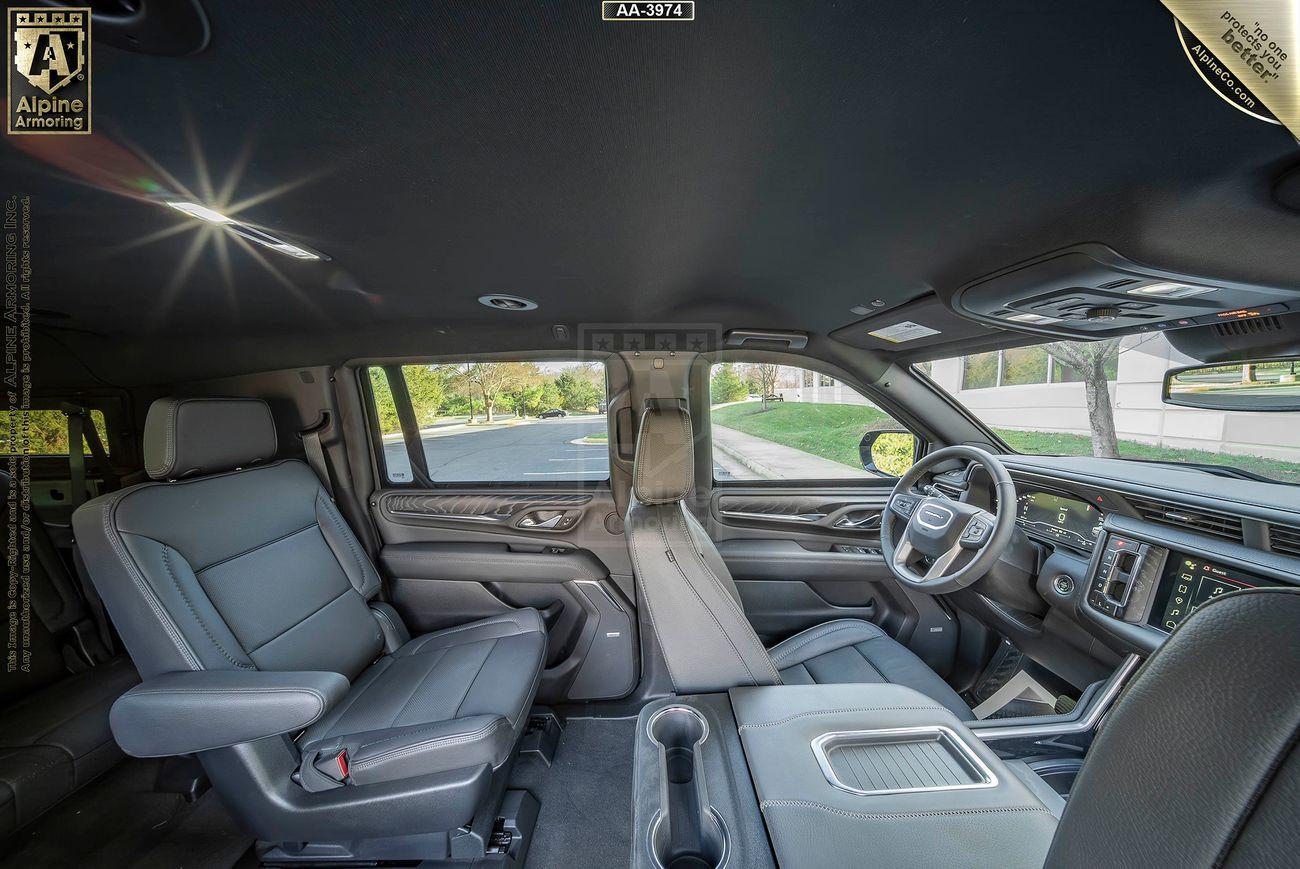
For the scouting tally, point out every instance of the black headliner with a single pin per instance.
(769, 165)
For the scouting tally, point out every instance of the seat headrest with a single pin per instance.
(664, 468)
(184, 437)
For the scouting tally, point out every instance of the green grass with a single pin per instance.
(1055, 444)
(831, 431)
(599, 438)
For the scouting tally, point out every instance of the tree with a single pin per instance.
(725, 386)
(767, 374)
(426, 385)
(489, 378)
(524, 386)
(1090, 359)
(578, 391)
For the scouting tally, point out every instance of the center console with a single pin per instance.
(821, 775)
(1146, 580)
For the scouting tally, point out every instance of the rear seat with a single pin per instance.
(54, 734)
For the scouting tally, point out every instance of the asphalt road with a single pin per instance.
(532, 451)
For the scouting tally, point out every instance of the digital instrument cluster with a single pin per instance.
(1060, 518)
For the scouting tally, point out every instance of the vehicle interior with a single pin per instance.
(805, 435)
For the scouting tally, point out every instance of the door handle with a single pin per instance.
(869, 522)
(774, 517)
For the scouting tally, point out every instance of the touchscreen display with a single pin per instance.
(1055, 517)
(1190, 582)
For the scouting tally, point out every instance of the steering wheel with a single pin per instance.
(939, 532)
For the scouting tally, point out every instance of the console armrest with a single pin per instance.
(846, 770)
(180, 713)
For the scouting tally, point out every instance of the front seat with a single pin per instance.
(248, 606)
(696, 613)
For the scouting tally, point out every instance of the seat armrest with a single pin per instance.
(184, 712)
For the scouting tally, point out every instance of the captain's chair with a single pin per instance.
(696, 611)
(248, 606)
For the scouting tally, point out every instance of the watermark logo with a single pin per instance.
(49, 71)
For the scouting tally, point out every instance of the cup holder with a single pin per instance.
(687, 833)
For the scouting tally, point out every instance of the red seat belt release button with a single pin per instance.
(342, 760)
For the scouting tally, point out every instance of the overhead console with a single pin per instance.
(1090, 291)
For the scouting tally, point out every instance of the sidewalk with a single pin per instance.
(773, 461)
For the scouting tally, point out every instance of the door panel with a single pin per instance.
(453, 556)
(801, 557)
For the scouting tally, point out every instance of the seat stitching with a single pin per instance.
(424, 641)
(645, 596)
(470, 685)
(167, 564)
(351, 699)
(415, 689)
(309, 615)
(890, 816)
(785, 653)
(395, 753)
(817, 712)
(707, 609)
(160, 612)
(257, 547)
(857, 647)
(736, 610)
(346, 534)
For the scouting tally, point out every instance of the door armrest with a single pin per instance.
(180, 713)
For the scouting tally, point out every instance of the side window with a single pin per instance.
(498, 422)
(778, 422)
(46, 433)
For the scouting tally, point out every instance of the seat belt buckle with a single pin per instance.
(333, 766)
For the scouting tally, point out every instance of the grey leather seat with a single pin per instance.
(249, 607)
(696, 612)
(54, 734)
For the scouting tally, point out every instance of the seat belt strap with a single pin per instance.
(77, 456)
(94, 602)
(315, 453)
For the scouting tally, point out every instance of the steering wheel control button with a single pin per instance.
(904, 504)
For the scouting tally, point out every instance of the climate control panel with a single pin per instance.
(1123, 584)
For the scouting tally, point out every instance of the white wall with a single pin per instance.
(1140, 415)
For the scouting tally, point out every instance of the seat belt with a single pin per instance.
(315, 453)
(77, 456)
(77, 464)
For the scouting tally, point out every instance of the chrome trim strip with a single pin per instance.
(985, 776)
(774, 517)
(923, 506)
(1089, 721)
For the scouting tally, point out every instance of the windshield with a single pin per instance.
(1103, 399)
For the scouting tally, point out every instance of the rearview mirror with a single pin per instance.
(889, 452)
(1261, 385)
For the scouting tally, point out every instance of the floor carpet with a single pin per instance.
(585, 796)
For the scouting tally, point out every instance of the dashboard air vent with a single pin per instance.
(1189, 519)
(1284, 540)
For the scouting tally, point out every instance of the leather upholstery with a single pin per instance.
(665, 454)
(814, 824)
(1197, 763)
(199, 710)
(696, 612)
(188, 436)
(692, 603)
(57, 739)
(54, 733)
(253, 573)
(455, 698)
(852, 650)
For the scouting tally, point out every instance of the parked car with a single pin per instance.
(553, 413)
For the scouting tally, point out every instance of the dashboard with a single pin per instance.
(1059, 518)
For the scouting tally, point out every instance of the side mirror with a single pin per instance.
(1256, 385)
(889, 452)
